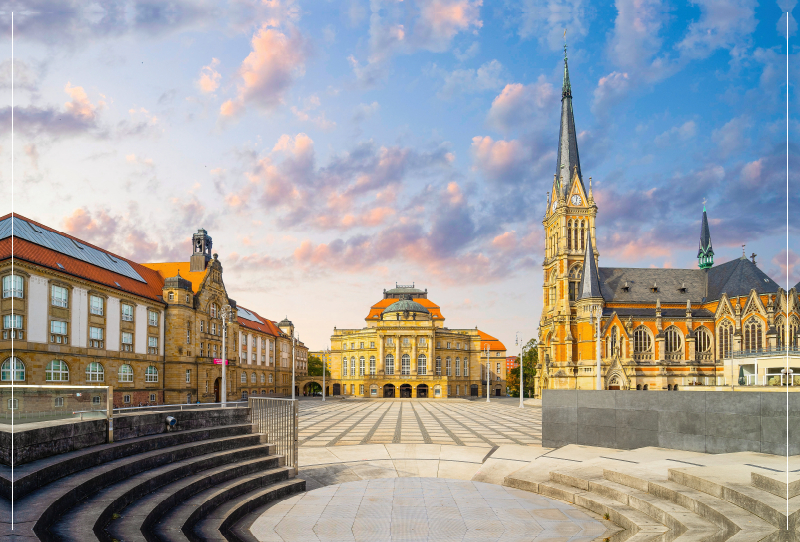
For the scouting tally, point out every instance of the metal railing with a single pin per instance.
(183, 406)
(766, 352)
(277, 418)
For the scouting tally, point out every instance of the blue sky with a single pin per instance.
(332, 148)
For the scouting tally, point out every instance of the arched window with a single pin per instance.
(95, 372)
(438, 366)
(151, 374)
(725, 332)
(353, 366)
(269, 378)
(642, 343)
(583, 236)
(458, 366)
(447, 368)
(466, 366)
(372, 366)
(243, 377)
(253, 378)
(344, 366)
(703, 344)
(405, 367)
(57, 371)
(780, 327)
(673, 343)
(752, 334)
(575, 275)
(12, 369)
(794, 329)
(262, 378)
(361, 366)
(125, 373)
(569, 235)
(611, 342)
(422, 365)
(553, 277)
(389, 364)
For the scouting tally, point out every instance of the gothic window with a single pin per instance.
(703, 341)
(752, 334)
(447, 367)
(642, 343)
(673, 341)
(553, 276)
(569, 235)
(438, 366)
(405, 368)
(794, 329)
(389, 364)
(725, 332)
(422, 365)
(611, 342)
(583, 236)
(575, 275)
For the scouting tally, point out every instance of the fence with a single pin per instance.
(277, 418)
(38, 403)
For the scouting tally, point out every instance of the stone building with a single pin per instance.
(658, 328)
(406, 351)
(81, 315)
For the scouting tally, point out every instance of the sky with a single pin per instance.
(335, 148)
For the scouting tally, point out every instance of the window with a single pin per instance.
(12, 368)
(57, 371)
(12, 321)
(361, 389)
(361, 366)
(438, 366)
(458, 390)
(752, 334)
(188, 332)
(466, 367)
(152, 318)
(703, 340)
(127, 341)
(448, 345)
(58, 332)
(125, 373)
(127, 312)
(244, 378)
(95, 372)
(152, 345)
(127, 398)
(673, 341)
(725, 339)
(188, 376)
(372, 366)
(352, 389)
(458, 366)
(405, 365)
(422, 365)
(96, 305)
(153, 397)
(213, 310)
(642, 343)
(362, 346)
(58, 402)
(405, 341)
(344, 366)
(171, 296)
(447, 366)
(389, 364)
(253, 378)
(372, 344)
(352, 346)
(12, 286)
(13, 404)
(353, 366)
(270, 378)
(422, 341)
(58, 296)
(213, 328)
(262, 378)
(344, 346)
(244, 395)
(96, 337)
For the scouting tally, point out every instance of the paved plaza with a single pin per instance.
(412, 509)
(338, 422)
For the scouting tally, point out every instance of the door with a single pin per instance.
(336, 389)
(474, 390)
(217, 398)
(388, 390)
(422, 391)
(497, 392)
(405, 391)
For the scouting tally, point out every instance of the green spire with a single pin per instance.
(566, 90)
(705, 254)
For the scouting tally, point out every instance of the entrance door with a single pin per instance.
(613, 387)
(336, 389)
(422, 391)
(217, 383)
(497, 392)
(405, 391)
(473, 391)
(388, 390)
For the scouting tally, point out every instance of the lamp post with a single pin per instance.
(521, 357)
(324, 369)
(227, 314)
(487, 371)
(294, 340)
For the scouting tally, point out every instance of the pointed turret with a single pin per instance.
(705, 255)
(590, 282)
(568, 162)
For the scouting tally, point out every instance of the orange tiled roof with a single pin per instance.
(267, 327)
(376, 310)
(170, 269)
(493, 343)
(30, 252)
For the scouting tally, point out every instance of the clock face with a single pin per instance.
(555, 204)
(576, 200)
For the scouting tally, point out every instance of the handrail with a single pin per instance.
(170, 405)
(277, 419)
(769, 351)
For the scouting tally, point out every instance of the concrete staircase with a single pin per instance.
(190, 484)
(664, 495)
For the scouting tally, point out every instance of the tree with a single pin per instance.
(529, 362)
(315, 367)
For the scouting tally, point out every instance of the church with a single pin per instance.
(652, 329)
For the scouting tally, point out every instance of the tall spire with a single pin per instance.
(705, 255)
(590, 282)
(567, 138)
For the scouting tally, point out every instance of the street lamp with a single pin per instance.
(226, 314)
(325, 354)
(487, 371)
(294, 341)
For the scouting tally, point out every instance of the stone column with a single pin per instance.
(380, 369)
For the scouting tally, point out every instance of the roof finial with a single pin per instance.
(565, 44)
(743, 255)
(704, 204)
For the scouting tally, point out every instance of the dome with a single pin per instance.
(285, 322)
(405, 305)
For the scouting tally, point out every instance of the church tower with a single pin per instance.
(569, 224)
(201, 251)
(705, 255)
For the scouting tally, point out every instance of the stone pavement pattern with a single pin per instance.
(454, 422)
(420, 509)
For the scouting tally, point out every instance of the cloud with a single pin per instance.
(306, 115)
(268, 71)
(79, 116)
(786, 261)
(723, 24)
(523, 105)
(209, 77)
(684, 132)
(470, 52)
(731, 137)
(500, 160)
(364, 111)
(611, 89)
(547, 19)
(441, 20)
(486, 77)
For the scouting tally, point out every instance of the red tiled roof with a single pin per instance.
(267, 327)
(30, 252)
(376, 310)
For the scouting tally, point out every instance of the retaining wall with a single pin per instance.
(710, 422)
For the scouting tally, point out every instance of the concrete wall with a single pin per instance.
(711, 422)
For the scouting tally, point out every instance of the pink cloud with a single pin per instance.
(441, 20)
(784, 263)
(500, 159)
(79, 105)
(519, 105)
(209, 77)
(505, 241)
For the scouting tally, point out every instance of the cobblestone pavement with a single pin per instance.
(423, 509)
(463, 423)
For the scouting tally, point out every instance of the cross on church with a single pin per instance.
(753, 257)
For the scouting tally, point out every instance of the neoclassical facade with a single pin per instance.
(405, 350)
(658, 328)
(81, 315)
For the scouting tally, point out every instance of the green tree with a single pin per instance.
(529, 362)
(315, 367)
